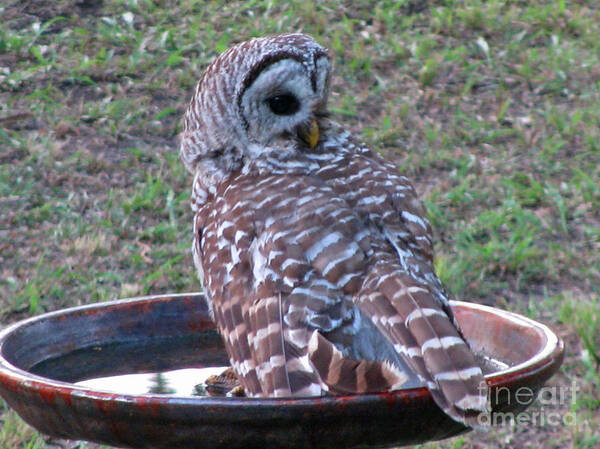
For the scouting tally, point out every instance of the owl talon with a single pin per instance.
(236, 392)
(224, 384)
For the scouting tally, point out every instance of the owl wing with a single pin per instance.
(401, 293)
(217, 251)
(374, 188)
(281, 258)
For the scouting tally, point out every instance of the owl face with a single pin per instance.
(281, 102)
(259, 96)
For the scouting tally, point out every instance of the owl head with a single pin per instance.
(260, 96)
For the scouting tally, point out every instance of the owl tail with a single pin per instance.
(342, 375)
(425, 336)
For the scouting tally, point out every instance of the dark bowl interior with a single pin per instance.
(41, 359)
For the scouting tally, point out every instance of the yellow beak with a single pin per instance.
(310, 133)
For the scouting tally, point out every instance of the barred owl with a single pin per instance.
(314, 253)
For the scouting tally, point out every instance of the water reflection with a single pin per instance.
(182, 382)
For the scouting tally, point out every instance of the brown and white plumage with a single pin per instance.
(316, 255)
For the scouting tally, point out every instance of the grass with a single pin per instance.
(491, 107)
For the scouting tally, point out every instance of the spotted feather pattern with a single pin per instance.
(317, 262)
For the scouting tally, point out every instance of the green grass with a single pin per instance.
(490, 107)
(15, 433)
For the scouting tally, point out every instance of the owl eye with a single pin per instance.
(284, 104)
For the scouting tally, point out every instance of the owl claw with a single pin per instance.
(224, 384)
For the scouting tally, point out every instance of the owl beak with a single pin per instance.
(309, 133)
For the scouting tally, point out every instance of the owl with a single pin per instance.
(315, 254)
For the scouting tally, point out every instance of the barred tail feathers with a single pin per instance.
(343, 375)
(427, 339)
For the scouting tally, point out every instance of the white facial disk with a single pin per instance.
(283, 96)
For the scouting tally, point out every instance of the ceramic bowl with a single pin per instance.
(42, 358)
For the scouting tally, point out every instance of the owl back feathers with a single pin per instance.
(287, 260)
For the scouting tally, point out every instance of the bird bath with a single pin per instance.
(42, 359)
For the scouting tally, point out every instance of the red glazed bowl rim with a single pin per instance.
(8, 371)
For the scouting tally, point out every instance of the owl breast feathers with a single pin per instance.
(314, 253)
